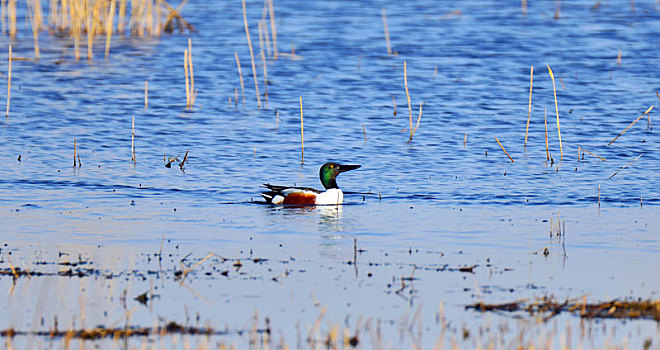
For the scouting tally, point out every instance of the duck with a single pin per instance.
(283, 195)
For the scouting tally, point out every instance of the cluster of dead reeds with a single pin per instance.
(85, 20)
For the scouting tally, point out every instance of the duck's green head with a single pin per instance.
(329, 172)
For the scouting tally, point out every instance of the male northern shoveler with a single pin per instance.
(304, 195)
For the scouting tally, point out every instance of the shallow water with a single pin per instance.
(413, 207)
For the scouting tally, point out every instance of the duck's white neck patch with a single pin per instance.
(332, 196)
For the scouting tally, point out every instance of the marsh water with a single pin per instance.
(427, 227)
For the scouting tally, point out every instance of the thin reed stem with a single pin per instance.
(531, 81)
(625, 166)
(387, 32)
(631, 124)
(364, 132)
(185, 68)
(417, 124)
(505, 152)
(193, 92)
(273, 30)
(109, 26)
(254, 69)
(405, 81)
(554, 90)
(74, 152)
(394, 104)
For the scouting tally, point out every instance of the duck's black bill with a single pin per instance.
(347, 167)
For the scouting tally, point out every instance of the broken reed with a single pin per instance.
(505, 152)
(633, 123)
(419, 117)
(531, 80)
(254, 69)
(302, 135)
(554, 90)
(75, 18)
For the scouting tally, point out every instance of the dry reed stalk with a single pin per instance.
(625, 166)
(235, 98)
(417, 124)
(74, 152)
(505, 152)
(3, 15)
(302, 135)
(193, 92)
(598, 195)
(108, 28)
(273, 30)
(631, 124)
(240, 75)
(8, 83)
(394, 103)
(260, 29)
(545, 119)
(554, 90)
(364, 132)
(149, 21)
(579, 154)
(524, 7)
(266, 33)
(133, 158)
(464, 140)
(263, 61)
(405, 81)
(185, 68)
(34, 21)
(11, 12)
(159, 17)
(121, 17)
(618, 58)
(90, 36)
(531, 81)
(146, 94)
(387, 32)
(254, 69)
(557, 10)
(599, 157)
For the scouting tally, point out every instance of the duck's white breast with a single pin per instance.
(332, 196)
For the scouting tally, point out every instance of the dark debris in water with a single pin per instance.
(548, 307)
(123, 332)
